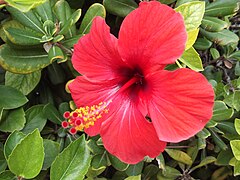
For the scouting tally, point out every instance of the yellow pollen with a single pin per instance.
(85, 117)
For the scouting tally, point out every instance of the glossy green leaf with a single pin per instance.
(51, 150)
(222, 38)
(93, 11)
(34, 119)
(70, 22)
(120, 7)
(64, 12)
(23, 82)
(55, 53)
(12, 141)
(179, 156)
(133, 178)
(11, 98)
(224, 157)
(100, 160)
(192, 13)
(236, 100)
(28, 19)
(22, 36)
(51, 113)
(117, 164)
(219, 142)
(222, 8)
(213, 24)
(45, 11)
(202, 44)
(23, 61)
(71, 41)
(227, 127)
(215, 53)
(24, 6)
(14, 120)
(7, 175)
(237, 125)
(204, 162)
(3, 162)
(92, 173)
(27, 157)
(204, 133)
(150, 171)
(191, 59)
(221, 111)
(235, 145)
(192, 36)
(73, 162)
(134, 170)
(170, 172)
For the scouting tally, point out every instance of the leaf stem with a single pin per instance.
(178, 63)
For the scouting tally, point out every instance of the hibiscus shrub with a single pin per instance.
(119, 89)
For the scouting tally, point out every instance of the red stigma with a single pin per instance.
(73, 131)
(78, 122)
(66, 115)
(65, 124)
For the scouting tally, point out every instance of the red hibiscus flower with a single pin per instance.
(129, 98)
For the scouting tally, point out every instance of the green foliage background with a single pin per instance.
(37, 39)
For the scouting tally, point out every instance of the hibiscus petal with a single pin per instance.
(180, 104)
(152, 34)
(86, 93)
(127, 134)
(95, 55)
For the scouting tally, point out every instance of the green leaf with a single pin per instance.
(179, 156)
(27, 157)
(3, 162)
(7, 175)
(222, 8)
(192, 36)
(117, 164)
(12, 141)
(133, 178)
(150, 171)
(45, 11)
(235, 145)
(221, 111)
(22, 36)
(224, 157)
(28, 19)
(237, 168)
(120, 7)
(70, 22)
(215, 53)
(222, 38)
(204, 162)
(161, 161)
(219, 142)
(100, 160)
(71, 41)
(236, 100)
(14, 120)
(134, 170)
(56, 53)
(170, 172)
(24, 5)
(52, 114)
(213, 24)
(23, 82)
(94, 10)
(23, 61)
(34, 119)
(192, 60)
(11, 98)
(192, 13)
(73, 162)
(51, 150)
(202, 44)
(237, 125)
(64, 12)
